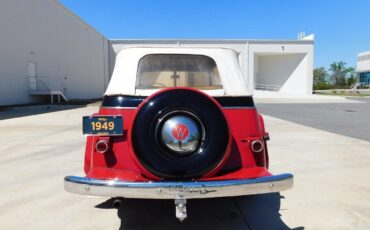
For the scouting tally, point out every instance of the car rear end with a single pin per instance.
(182, 135)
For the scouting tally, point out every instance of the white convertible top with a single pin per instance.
(123, 81)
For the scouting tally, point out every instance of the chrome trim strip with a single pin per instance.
(117, 107)
(173, 190)
(224, 107)
(238, 107)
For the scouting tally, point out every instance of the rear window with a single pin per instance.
(157, 71)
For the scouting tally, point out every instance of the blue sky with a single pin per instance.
(341, 27)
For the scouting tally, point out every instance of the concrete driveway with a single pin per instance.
(331, 191)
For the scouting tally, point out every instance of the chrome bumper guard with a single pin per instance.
(176, 190)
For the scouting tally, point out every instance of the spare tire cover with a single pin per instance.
(165, 163)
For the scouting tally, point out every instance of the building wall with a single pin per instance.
(66, 51)
(289, 64)
(71, 55)
(363, 62)
(286, 65)
(363, 68)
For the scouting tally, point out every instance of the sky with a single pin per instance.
(341, 27)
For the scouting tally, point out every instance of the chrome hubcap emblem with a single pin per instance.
(180, 134)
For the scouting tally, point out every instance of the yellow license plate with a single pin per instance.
(102, 125)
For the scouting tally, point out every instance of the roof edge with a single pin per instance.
(209, 41)
(78, 17)
(363, 53)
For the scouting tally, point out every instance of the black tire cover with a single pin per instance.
(153, 156)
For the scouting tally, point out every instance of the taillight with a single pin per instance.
(102, 145)
(257, 146)
(259, 152)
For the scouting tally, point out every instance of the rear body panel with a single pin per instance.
(120, 162)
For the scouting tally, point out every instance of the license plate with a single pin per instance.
(103, 125)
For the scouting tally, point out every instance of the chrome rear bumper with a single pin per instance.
(175, 190)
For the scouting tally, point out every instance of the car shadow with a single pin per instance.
(248, 212)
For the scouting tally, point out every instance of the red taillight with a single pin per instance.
(259, 153)
(102, 146)
(257, 146)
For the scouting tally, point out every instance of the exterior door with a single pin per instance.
(31, 73)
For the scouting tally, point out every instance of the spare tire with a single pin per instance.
(180, 133)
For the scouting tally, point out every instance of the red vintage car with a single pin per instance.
(176, 123)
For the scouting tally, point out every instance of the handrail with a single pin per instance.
(39, 83)
(267, 87)
(44, 84)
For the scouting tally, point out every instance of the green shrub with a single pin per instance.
(322, 86)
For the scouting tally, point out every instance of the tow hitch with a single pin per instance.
(181, 213)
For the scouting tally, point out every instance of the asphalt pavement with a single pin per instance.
(349, 119)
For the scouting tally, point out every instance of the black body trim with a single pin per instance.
(134, 101)
(122, 101)
(242, 101)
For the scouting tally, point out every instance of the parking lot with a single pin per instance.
(325, 145)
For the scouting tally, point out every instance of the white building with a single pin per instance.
(45, 48)
(363, 68)
(284, 66)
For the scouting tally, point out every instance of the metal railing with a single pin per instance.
(267, 87)
(46, 86)
(349, 91)
(45, 83)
